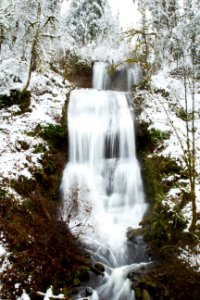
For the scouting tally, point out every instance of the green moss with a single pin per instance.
(155, 169)
(133, 233)
(148, 140)
(138, 293)
(183, 115)
(40, 148)
(55, 135)
(2, 193)
(157, 135)
(143, 85)
(145, 295)
(164, 224)
(167, 225)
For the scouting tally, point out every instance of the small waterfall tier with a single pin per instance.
(122, 79)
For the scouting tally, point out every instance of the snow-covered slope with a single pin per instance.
(19, 154)
(161, 110)
(17, 144)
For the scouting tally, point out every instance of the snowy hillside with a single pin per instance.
(47, 48)
(18, 148)
(161, 109)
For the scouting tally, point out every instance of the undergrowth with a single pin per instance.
(41, 249)
(54, 135)
(164, 226)
(16, 97)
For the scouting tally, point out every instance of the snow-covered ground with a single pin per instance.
(17, 145)
(47, 100)
(161, 113)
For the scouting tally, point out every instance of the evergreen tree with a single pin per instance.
(82, 20)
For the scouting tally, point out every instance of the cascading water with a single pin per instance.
(121, 80)
(101, 184)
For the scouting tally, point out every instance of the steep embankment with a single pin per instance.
(31, 163)
(37, 249)
(162, 149)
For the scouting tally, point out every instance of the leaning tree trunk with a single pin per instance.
(32, 59)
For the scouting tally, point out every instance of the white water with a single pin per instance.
(100, 76)
(102, 186)
(123, 80)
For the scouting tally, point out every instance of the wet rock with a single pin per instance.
(100, 267)
(134, 234)
(88, 291)
(138, 293)
(133, 276)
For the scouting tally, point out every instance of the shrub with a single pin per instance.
(148, 140)
(16, 97)
(55, 135)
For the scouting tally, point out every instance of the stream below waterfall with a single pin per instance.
(101, 185)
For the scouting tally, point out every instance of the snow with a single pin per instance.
(49, 295)
(24, 296)
(9, 74)
(2, 250)
(48, 98)
(49, 95)
(47, 101)
(159, 111)
(65, 6)
(127, 11)
(15, 129)
(191, 257)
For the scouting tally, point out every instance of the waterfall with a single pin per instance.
(101, 79)
(101, 185)
(121, 80)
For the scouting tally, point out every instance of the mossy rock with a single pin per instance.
(138, 293)
(132, 234)
(145, 295)
(88, 292)
(100, 267)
